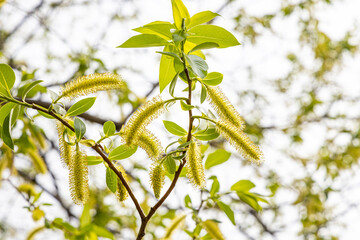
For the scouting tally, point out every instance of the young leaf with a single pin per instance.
(94, 160)
(5, 111)
(227, 210)
(213, 229)
(187, 201)
(144, 40)
(180, 12)
(249, 200)
(28, 87)
(242, 186)
(7, 77)
(207, 134)
(205, 45)
(122, 152)
(159, 28)
(216, 158)
(185, 106)
(201, 17)
(174, 128)
(80, 129)
(109, 128)
(210, 33)
(203, 93)
(170, 165)
(167, 70)
(171, 54)
(215, 187)
(173, 84)
(197, 64)
(213, 79)
(81, 106)
(111, 179)
(5, 134)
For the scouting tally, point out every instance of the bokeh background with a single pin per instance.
(295, 79)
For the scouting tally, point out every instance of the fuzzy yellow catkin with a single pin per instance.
(194, 166)
(212, 228)
(78, 177)
(121, 192)
(176, 223)
(240, 141)
(67, 151)
(92, 83)
(151, 144)
(37, 161)
(141, 118)
(223, 107)
(157, 177)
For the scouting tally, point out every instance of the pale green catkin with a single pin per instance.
(37, 161)
(78, 177)
(240, 141)
(141, 118)
(121, 192)
(223, 107)
(212, 228)
(151, 144)
(67, 151)
(176, 223)
(194, 166)
(92, 83)
(157, 177)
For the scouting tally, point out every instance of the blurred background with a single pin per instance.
(295, 79)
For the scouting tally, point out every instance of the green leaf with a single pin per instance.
(45, 115)
(170, 54)
(109, 128)
(249, 200)
(28, 87)
(206, 134)
(122, 152)
(15, 114)
(227, 210)
(7, 77)
(185, 106)
(80, 129)
(205, 45)
(144, 40)
(242, 186)
(6, 132)
(5, 111)
(203, 93)
(202, 17)
(216, 158)
(213, 79)
(94, 160)
(159, 28)
(167, 71)
(102, 232)
(187, 201)
(174, 128)
(197, 64)
(215, 187)
(210, 33)
(85, 218)
(173, 84)
(170, 164)
(213, 229)
(180, 12)
(111, 179)
(81, 106)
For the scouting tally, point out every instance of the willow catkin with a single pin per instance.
(176, 223)
(223, 107)
(194, 166)
(78, 177)
(212, 228)
(37, 161)
(151, 144)
(141, 118)
(67, 151)
(121, 192)
(90, 84)
(240, 141)
(157, 177)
